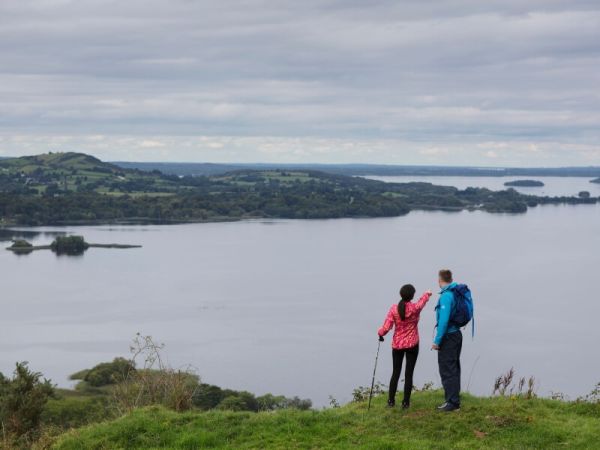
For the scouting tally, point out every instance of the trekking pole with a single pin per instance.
(373, 380)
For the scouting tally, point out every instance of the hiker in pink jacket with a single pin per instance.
(404, 317)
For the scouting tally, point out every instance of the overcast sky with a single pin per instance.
(461, 82)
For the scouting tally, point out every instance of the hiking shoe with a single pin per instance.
(405, 405)
(448, 407)
(442, 406)
(391, 404)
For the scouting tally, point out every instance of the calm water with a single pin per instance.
(554, 186)
(292, 307)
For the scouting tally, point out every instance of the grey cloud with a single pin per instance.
(444, 73)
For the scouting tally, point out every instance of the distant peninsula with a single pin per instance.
(55, 189)
(597, 181)
(524, 183)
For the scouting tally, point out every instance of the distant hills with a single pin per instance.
(197, 169)
(74, 188)
(77, 172)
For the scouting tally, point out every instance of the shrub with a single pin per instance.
(22, 400)
(106, 373)
(361, 393)
(154, 383)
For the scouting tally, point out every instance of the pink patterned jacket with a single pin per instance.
(406, 333)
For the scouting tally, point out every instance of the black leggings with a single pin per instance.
(411, 360)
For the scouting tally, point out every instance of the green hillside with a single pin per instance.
(491, 423)
(58, 161)
(75, 189)
(76, 172)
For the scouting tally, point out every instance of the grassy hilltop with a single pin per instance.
(494, 423)
(56, 173)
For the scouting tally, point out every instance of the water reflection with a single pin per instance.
(10, 234)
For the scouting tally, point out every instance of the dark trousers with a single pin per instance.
(449, 362)
(411, 360)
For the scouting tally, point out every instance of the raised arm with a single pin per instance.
(444, 317)
(423, 301)
(388, 323)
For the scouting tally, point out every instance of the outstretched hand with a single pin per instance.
(435, 347)
(429, 292)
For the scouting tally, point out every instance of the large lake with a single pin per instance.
(292, 307)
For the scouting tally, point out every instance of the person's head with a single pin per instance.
(445, 277)
(407, 293)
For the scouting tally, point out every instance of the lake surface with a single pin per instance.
(292, 307)
(553, 186)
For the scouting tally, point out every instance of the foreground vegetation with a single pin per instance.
(72, 188)
(142, 403)
(499, 422)
(33, 412)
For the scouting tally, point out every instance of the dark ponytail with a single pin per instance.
(402, 309)
(407, 293)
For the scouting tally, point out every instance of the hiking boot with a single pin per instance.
(405, 405)
(391, 404)
(448, 407)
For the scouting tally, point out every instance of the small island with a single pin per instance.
(63, 245)
(524, 183)
(596, 180)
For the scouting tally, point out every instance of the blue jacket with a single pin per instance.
(442, 314)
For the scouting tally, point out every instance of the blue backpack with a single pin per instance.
(462, 307)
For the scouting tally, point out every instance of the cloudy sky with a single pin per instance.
(462, 82)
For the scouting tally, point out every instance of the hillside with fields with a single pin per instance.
(74, 188)
(54, 173)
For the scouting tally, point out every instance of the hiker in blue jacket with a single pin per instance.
(448, 343)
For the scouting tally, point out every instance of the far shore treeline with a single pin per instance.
(74, 188)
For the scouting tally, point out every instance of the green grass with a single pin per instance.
(494, 423)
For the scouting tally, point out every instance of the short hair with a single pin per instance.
(446, 275)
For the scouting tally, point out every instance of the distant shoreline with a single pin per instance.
(148, 222)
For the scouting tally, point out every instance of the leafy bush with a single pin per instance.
(361, 393)
(208, 396)
(106, 373)
(22, 401)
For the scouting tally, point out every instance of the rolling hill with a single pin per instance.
(76, 172)
(490, 423)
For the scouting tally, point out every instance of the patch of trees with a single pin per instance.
(524, 183)
(69, 245)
